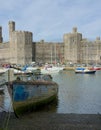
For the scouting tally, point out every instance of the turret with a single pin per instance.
(75, 30)
(97, 38)
(11, 26)
(1, 39)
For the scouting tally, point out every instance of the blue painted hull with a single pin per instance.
(86, 72)
(32, 94)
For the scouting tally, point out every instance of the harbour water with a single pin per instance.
(78, 93)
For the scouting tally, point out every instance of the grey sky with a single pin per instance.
(50, 19)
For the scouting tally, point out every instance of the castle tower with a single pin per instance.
(97, 38)
(72, 49)
(20, 45)
(11, 28)
(74, 29)
(1, 39)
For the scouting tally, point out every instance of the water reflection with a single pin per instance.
(78, 93)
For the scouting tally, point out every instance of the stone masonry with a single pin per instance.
(20, 49)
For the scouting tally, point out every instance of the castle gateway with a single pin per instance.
(20, 49)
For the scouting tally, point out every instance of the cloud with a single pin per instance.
(49, 20)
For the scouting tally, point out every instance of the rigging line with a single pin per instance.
(7, 117)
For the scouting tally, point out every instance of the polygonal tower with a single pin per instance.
(20, 45)
(72, 46)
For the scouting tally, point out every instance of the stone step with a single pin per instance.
(53, 121)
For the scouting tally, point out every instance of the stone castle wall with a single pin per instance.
(49, 52)
(22, 50)
(91, 51)
(72, 46)
(4, 52)
(19, 48)
(79, 50)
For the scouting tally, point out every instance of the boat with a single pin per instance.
(21, 72)
(50, 70)
(84, 70)
(30, 68)
(16, 71)
(3, 70)
(30, 93)
(96, 67)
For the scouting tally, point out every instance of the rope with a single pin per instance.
(7, 116)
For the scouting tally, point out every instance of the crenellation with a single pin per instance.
(22, 50)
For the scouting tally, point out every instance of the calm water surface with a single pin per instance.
(78, 93)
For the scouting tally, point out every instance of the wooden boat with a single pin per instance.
(28, 95)
(84, 70)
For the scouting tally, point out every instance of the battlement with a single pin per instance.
(12, 28)
(20, 36)
(23, 32)
(20, 48)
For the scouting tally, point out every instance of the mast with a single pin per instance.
(55, 54)
(87, 54)
(51, 54)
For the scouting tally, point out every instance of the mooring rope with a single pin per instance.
(7, 116)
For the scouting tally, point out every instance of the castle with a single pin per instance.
(22, 50)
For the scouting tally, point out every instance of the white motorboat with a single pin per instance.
(50, 70)
(84, 70)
